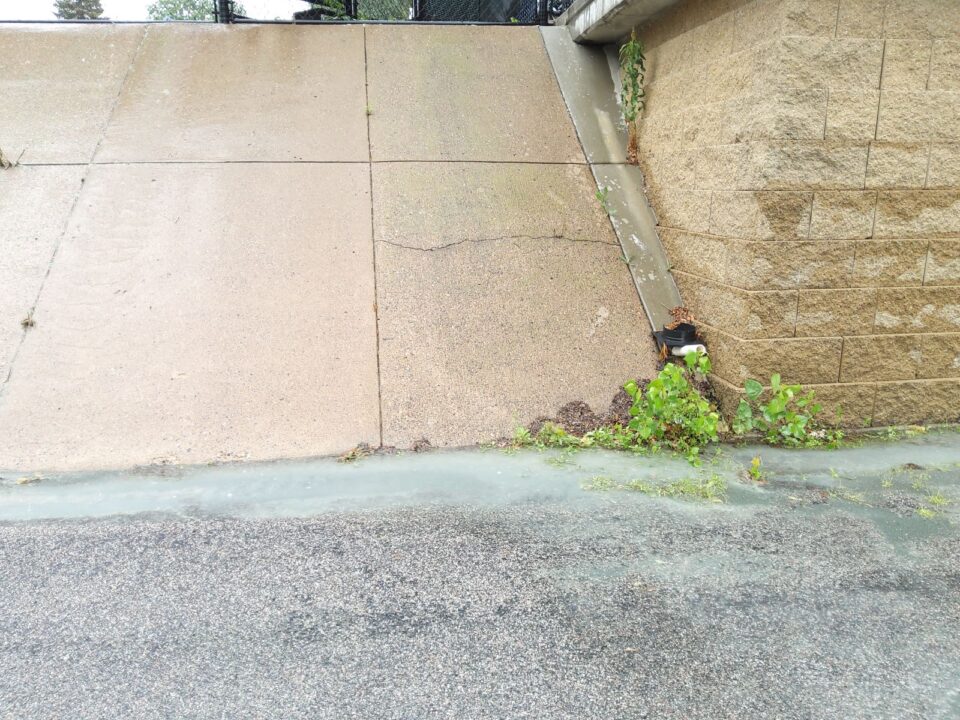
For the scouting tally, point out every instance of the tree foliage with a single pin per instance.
(78, 9)
(186, 10)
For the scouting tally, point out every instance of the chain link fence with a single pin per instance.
(526, 12)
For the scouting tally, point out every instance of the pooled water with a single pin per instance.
(914, 477)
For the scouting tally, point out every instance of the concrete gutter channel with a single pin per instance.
(586, 80)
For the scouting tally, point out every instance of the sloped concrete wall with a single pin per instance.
(804, 162)
(266, 241)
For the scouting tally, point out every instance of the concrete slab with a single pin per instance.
(465, 93)
(430, 204)
(34, 203)
(269, 92)
(187, 320)
(58, 84)
(479, 334)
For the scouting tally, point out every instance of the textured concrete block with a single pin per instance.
(835, 63)
(906, 64)
(734, 214)
(941, 356)
(779, 112)
(783, 215)
(918, 213)
(756, 22)
(943, 264)
(880, 357)
(809, 17)
(923, 19)
(842, 215)
(860, 18)
(684, 209)
(913, 310)
(897, 165)
(767, 215)
(702, 255)
(944, 166)
(852, 115)
(785, 265)
(745, 72)
(807, 166)
(807, 360)
(919, 116)
(722, 167)
(836, 312)
(743, 313)
(917, 402)
(676, 167)
(889, 263)
(845, 405)
(945, 66)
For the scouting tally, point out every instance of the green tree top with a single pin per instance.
(186, 10)
(78, 9)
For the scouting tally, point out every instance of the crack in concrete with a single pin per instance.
(499, 237)
(73, 206)
(373, 238)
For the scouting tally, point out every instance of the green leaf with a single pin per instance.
(753, 389)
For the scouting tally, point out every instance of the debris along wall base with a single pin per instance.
(803, 160)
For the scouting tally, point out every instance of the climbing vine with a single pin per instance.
(631, 93)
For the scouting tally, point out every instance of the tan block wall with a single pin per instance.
(803, 158)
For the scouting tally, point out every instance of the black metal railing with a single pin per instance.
(523, 12)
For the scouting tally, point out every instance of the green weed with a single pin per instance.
(632, 68)
(787, 418)
(602, 197)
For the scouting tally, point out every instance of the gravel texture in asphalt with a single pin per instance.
(783, 603)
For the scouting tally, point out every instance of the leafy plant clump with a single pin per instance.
(787, 418)
(669, 412)
(672, 412)
(632, 66)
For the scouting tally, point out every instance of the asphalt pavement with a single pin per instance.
(454, 599)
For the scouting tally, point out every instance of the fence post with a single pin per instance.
(223, 11)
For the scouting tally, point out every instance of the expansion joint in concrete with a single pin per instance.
(373, 239)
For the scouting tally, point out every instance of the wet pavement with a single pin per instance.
(488, 584)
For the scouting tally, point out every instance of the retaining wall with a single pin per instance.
(803, 159)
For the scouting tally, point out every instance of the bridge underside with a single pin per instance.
(275, 241)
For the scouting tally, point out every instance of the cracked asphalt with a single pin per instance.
(546, 602)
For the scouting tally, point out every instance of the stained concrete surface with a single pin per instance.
(209, 92)
(487, 585)
(181, 322)
(214, 297)
(465, 93)
(34, 205)
(479, 338)
(59, 84)
(502, 295)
